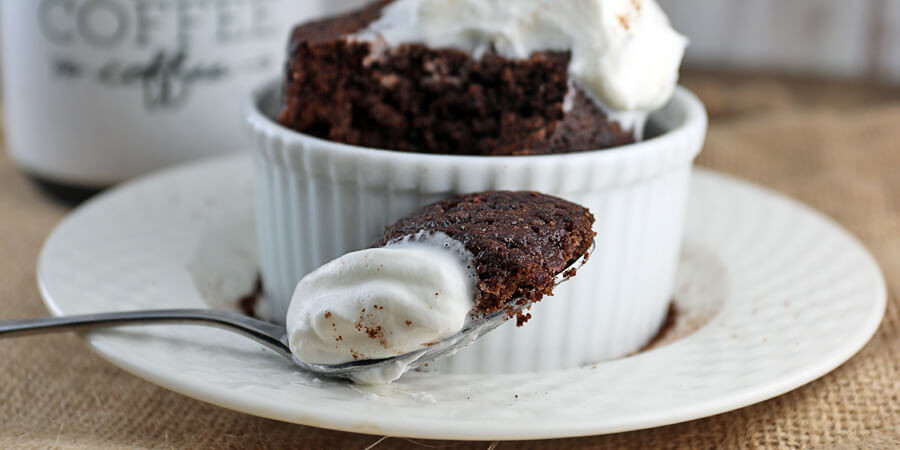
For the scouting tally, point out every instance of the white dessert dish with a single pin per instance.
(317, 200)
(777, 294)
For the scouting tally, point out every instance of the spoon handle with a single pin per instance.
(266, 333)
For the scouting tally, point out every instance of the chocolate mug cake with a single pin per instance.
(370, 78)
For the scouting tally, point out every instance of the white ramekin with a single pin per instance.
(317, 200)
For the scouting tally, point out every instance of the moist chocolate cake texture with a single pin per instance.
(519, 241)
(435, 100)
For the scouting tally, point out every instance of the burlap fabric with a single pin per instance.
(836, 147)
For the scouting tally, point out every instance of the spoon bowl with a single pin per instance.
(373, 370)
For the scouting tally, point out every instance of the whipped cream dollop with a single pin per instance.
(625, 53)
(382, 302)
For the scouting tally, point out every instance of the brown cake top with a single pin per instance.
(335, 28)
(519, 241)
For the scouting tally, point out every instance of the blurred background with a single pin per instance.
(826, 38)
(745, 56)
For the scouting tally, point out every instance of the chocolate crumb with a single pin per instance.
(247, 304)
(522, 318)
(374, 332)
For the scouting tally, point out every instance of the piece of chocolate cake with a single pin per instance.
(413, 98)
(519, 241)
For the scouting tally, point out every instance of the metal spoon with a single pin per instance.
(275, 336)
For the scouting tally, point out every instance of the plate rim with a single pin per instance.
(430, 428)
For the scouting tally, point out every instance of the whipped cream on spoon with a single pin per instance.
(364, 371)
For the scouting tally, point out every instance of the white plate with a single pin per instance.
(782, 293)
